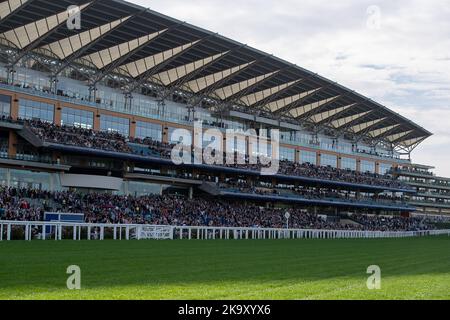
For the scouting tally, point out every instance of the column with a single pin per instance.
(12, 144)
(133, 128)
(97, 118)
(58, 111)
(165, 134)
(14, 107)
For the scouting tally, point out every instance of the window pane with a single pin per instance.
(115, 124)
(148, 130)
(367, 166)
(29, 109)
(328, 160)
(308, 157)
(348, 164)
(77, 118)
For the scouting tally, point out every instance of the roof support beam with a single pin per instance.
(219, 84)
(402, 136)
(377, 138)
(307, 115)
(368, 126)
(12, 10)
(34, 44)
(70, 59)
(278, 94)
(350, 121)
(364, 133)
(177, 85)
(299, 103)
(234, 99)
(335, 116)
(199, 96)
(117, 63)
(138, 82)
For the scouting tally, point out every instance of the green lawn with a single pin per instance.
(281, 269)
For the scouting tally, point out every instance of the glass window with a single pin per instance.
(367, 166)
(328, 160)
(348, 164)
(5, 105)
(29, 179)
(385, 168)
(149, 130)
(115, 124)
(77, 118)
(182, 135)
(262, 149)
(29, 109)
(4, 177)
(308, 157)
(138, 189)
(287, 154)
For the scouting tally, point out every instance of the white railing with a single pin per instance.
(96, 231)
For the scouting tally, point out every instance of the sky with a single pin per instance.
(395, 52)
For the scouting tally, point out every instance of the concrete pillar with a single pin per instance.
(132, 128)
(12, 144)
(58, 112)
(97, 118)
(14, 107)
(165, 134)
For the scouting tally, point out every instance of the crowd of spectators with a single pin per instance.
(70, 135)
(309, 192)
(30, 205)
(112, 141)
(381, 223)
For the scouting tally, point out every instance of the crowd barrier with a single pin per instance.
(28, 230)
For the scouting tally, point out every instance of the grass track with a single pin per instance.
(281, 269)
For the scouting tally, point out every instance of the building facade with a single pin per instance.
(142, 75)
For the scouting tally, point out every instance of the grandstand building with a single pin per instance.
(96, 108)
(432, 195)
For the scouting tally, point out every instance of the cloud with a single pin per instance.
(401, 61)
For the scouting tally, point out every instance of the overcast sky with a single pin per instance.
(395, 52)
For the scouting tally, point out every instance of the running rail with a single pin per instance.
(95, 231)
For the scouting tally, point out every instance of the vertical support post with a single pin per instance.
(8, 232)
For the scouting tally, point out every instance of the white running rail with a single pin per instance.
(28, 230)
